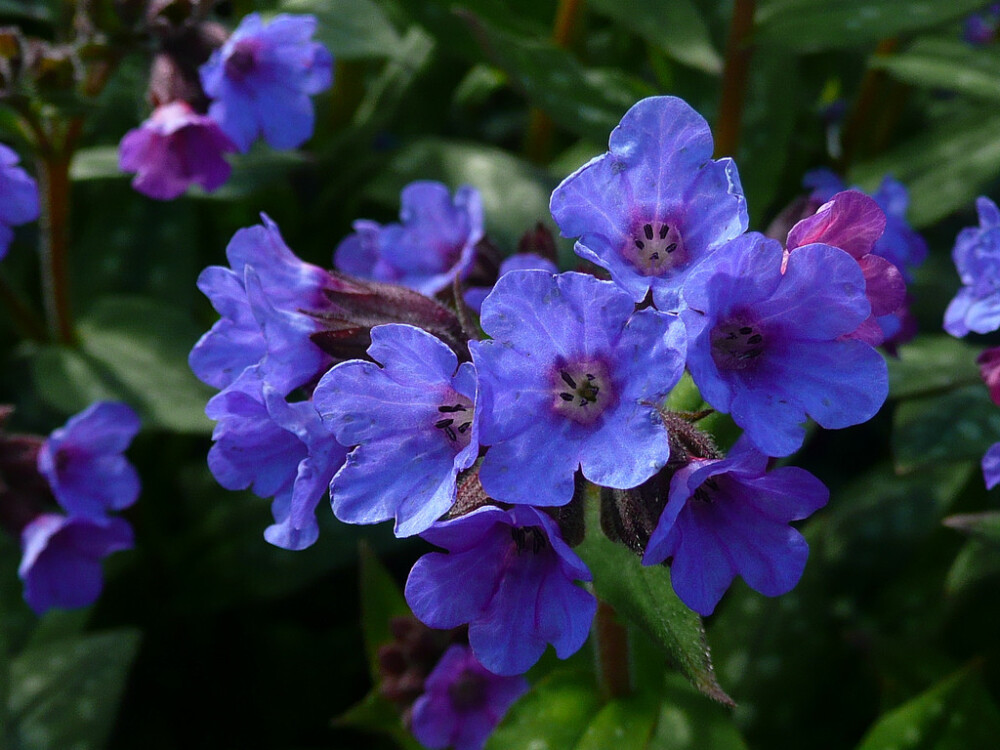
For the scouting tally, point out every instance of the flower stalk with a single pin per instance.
(735, 74)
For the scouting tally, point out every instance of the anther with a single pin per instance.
(648, 229)
(663, 232)
(442, 423)
(755, 339)
(745, 330)
(566, 396)
(640, 244)
(567, 379)
(450, 409)
(671, 247)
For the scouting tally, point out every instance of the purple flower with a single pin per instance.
(989, 370)
(261, 298)
(510, 576)
(262, 77)
(279, 449)
(174, 148)
(18, 197)
(434, 244)
(409, 415)
(767, 347)
(991, 466)
(980, 29)
(475, 295)
(462, 702)
(976, 307)
(83, 460)
(61, 564)
(900, 244)
(572, 379)
(729, 517)
(853, 222)
(656, 204)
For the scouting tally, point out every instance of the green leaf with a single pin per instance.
(644, 596)
(686, 722)
(376, 714)
(985, 526)
(977, 561)
(958, 425)
(386, 92)
(945, 167)
(948, 64)
(812, 25)
(956, 713)
(626, 722)
(931, 363)
(350, 29)
(65, 694)
(134, 350)
(515, 193)
(96, 163)
(381, 600)
(587, 102)
(676, 26)
(552, 716)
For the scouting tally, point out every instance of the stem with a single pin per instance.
(54, 187)
(734, 79)
(611, 645)
(538, 139)
(25, 320)
(869, 101)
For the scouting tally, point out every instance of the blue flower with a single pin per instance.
(409, 416)
(174, 148)
(656, 204)
(434, 243)
(18, 197)
(83, 461)
(262, 77)
(729, 517)
(510, 576)
(767, 348)
(572, 379)
(279, 449)
(991, 466)
(462, 702)
(61, 562)
(976, 307)
(261, 298)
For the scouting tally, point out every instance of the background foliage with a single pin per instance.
(890, 640)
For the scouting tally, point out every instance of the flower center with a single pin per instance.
(581, 390)
(241, 61)
(455, 420)
(468, 691)
(737, 345)
(655, 248)
(528, 537)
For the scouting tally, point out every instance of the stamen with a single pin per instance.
(450, 409)
(745, 330)
(566, 396)
(648, 229)
(442, 423)
(640, 244)
(671, 247)
(567, 379)
(663, 232)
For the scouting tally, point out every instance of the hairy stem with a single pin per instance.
(734, 79)
(611, 648)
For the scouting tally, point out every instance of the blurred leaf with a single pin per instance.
(977, 561)
(96, 163)
(381, 600)
(949, 64)
(375, 714)
(960, 424)
(65, 694)
(932, 362)
(350, 29)
(876, 520)
(686, 722)
(262, 167)
(515, 193)
(984, 526)
(134, 350)
(945, 167)
(955, 713)
(552, 716)
(676, 26)
(625, 722)
(812, 25)
(644, 596)
(33, 10)
(588, 102)
(386, 92)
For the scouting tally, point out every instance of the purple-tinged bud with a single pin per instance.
(24, 492)
(539, 241)
(52, 67)
(989, 368)
(405, 662)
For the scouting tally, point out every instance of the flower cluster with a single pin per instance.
(58, 495)
(258, 84)
(484, 446)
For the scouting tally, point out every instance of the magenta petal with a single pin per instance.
(850, 220)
